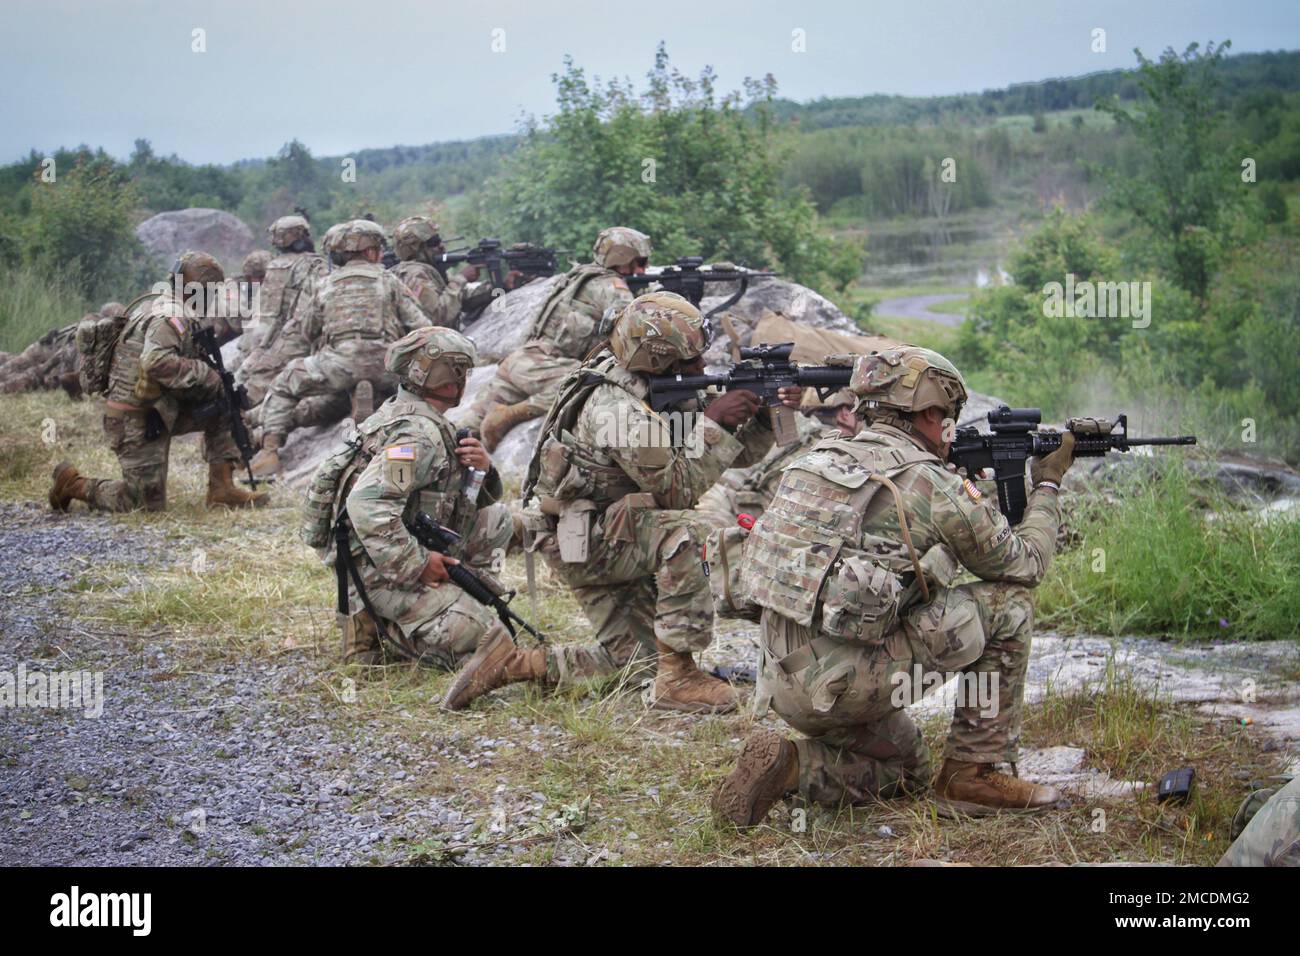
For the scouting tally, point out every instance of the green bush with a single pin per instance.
(1155, 561)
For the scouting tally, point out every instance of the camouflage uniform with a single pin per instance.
(643, 578)
(279, 337)
(565, 331)
(157, 371)
(414, 240)
(355, 312)
(1268, 829)
(407, 465)
(749, 490)
(861, 743)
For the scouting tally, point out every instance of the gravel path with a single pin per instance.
(248, 763)
(918, 307)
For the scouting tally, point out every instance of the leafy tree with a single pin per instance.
(81, 226)
(1189, 183)
(696, 170)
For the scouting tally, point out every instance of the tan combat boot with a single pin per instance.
(223, 492)
(267, 461)
(767, 770)
(361, 640)
(69, 485)
(497, 662)
(977, 790)
(680, 685)
(363, 402)
(500, 419)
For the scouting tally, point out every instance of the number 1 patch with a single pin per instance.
(399, 466)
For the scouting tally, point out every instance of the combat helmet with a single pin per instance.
(657, 330)
(290, 233)
(430, 358)
(906, 379)
(112, 310)
(254, 264)
(620, 246)
(413, 235)
(198, 267)
(358, 236)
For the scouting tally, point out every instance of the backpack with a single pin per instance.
(96, 339)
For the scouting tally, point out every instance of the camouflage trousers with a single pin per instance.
(650, 586)
(850, 699)
(444, 623)
(530, 374)
(263, 364)
(144, 462)
(317, 410)
(1270, 834)
(332, 372)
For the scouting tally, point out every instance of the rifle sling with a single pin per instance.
(343, 568)
(907, 535)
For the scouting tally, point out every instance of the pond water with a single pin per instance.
(937, 254)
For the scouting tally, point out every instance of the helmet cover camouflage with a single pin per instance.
(906, 379)
(112, 310)
(331, 236)
(655, 331)
(360, 235)
(811, 401)
(412, 236)
(431, 357)
(255, 263)
(199, 267)
(620, 246)
(288, 229)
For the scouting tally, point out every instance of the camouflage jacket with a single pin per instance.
(614, 445)
(406, 464)
(439, 298)
(752, 488)
(289, 280)
(157, 363)
(569, 321)
(830, 523)
(360, 300)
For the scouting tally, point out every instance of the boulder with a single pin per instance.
(205, 230)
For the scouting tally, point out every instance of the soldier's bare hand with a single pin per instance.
(733, 408)
(791, 395)
(471, 454)
(435, 569)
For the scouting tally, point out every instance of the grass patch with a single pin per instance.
(1167, 555)
(32, 303)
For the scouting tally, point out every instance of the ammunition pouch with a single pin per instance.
(573, 531)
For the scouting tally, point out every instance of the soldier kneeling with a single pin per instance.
(851, 614)
(407, 459)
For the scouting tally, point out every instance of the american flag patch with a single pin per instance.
(177, 324)
(971, 490)
(401, 453)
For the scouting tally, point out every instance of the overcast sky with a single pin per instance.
(342, 76)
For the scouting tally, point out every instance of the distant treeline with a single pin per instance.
(1247, 73)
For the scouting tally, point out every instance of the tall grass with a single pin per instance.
(1156, 559)
(33, 302)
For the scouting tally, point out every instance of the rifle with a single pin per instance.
(443, 540)
(688, 277)
(1016, 437)
(236, 396)
(763, 370)
(533, 261)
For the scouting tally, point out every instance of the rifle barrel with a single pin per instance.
(1179, 440)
